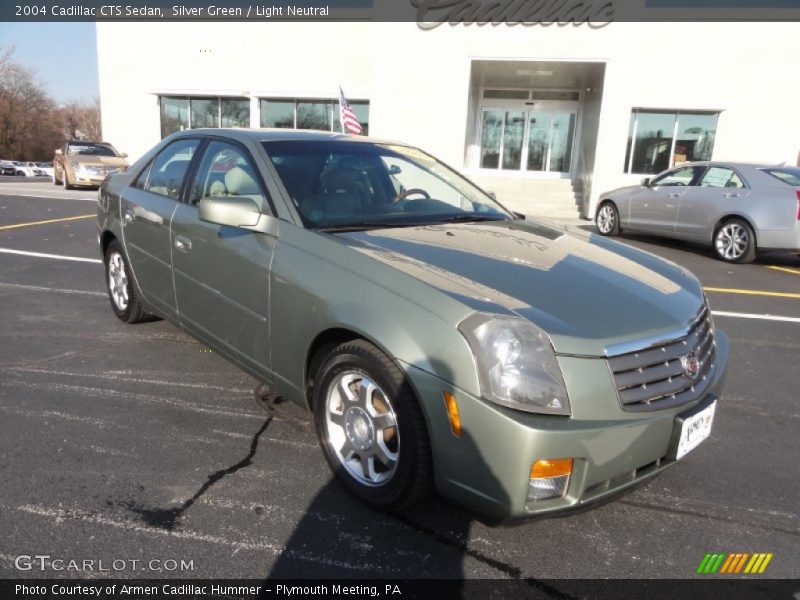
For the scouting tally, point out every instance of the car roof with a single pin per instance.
(734, 164)
(274, 135)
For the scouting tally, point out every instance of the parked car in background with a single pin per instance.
(7, 168)
(439, 339)
(739, 209)
(47, 168)
(28, 169)
(86, 164)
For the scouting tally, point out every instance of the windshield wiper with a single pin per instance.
(472, 219)
(365, 225)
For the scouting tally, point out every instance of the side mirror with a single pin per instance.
(233, 212)
(519, 215)
(124, 155)
(395, 170)
(492, 195)
(646, 182)
(59, 152)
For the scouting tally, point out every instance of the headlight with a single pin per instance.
(516, 364)
(76, 166)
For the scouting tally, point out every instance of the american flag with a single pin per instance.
(350, 123)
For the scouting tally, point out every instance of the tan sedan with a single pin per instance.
(82, 163)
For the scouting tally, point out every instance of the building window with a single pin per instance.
(658, 139)
(179, 113)
(296, 113)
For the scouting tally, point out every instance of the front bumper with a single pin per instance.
(488, 467)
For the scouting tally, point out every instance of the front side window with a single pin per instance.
(659, 140)
(361, 185)
(170, 167)
(721, 177)
(226, 172)
(678, 177)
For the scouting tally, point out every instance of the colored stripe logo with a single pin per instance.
(737, 562)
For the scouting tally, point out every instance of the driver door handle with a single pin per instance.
(674, 195)
(183, 244)
(731, 195)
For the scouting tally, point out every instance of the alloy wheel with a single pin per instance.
(732, 241)
(362, 428)
(118, 281)
(606, 219)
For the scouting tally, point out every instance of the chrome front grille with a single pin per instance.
(656, 378)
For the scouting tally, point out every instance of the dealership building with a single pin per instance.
(548, 118)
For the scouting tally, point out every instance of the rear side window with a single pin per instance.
(721, 177)
(790, 175)
(170, 167)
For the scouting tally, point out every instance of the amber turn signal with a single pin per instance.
(452, 413)
(551, 468)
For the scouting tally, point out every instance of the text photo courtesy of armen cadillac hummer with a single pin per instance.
(512, 307)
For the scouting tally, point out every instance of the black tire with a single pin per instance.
(132, 312)
(56, 180)
(65, 179)
(607, 219)
(412, 478)
(20, 174)
(735, 242)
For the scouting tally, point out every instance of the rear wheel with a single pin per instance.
(56, 180)
(607, 219)
(735, 242)
(371, 428)
(121, 291)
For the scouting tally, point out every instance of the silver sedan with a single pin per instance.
(739, 209)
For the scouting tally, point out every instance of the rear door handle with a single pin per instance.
(183, 244)
(674, 195)
(731, 195)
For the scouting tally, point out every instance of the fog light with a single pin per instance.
(452, 413)
(549, 479)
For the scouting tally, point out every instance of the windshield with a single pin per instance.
(91, 149)
(790, 175)
(337, 184)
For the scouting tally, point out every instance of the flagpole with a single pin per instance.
(341, 113)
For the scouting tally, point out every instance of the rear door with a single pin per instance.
(655, 208)
(221, 272)
(716, 194)
(146, 209)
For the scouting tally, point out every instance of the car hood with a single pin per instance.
(623, 190)
(88, 159)
(590, 294)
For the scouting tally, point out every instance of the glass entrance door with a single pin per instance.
(534, 141)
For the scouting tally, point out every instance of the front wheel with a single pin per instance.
(371, 428)
(65, 179)
(735, 242)
(607, 219)
(119, 283)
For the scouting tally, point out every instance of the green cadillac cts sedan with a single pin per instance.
(440, 340)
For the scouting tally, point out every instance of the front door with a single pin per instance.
(532, 141)
(655, 207)
(221, 272)
(147, 207)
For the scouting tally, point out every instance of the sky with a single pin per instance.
(63, 56)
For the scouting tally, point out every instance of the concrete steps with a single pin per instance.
(546, 198)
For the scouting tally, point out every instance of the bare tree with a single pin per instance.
(82, 119)
(30, 125)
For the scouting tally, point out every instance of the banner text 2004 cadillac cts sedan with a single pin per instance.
(440, 340)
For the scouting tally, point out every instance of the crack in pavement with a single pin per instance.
(169, 518)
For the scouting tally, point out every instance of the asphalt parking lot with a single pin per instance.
(137, 443)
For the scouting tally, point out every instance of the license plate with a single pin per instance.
(694, 429)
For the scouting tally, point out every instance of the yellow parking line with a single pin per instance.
(784, 269)
(752, 292)
(32, 223)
